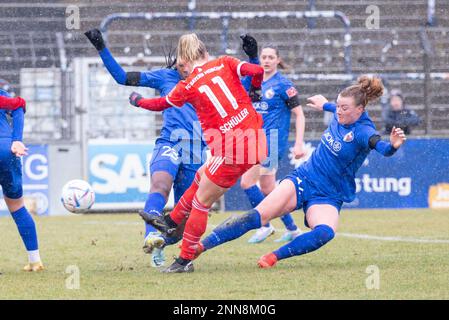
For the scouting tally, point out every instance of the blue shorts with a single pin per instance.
(179, 159)
(307, 195)
(10, 172)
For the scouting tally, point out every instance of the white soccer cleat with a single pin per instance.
(157, 258)
(154, 245)
(261, 234)
(289, 236)
(153, 240)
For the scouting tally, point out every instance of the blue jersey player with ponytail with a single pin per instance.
(11, 149)
(170, 165)
(321, 184)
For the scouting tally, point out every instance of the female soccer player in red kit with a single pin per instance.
(231, 126)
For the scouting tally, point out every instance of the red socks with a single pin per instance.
(184, 205)
(195, 227)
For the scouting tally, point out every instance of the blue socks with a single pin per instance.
(27, 228)
(154, 205)
(232, 228)
(288, 222)
(307, 242)
(256, 196)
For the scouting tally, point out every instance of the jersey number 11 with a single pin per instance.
(213, 98)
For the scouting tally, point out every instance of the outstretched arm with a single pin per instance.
(397, 138)
(320, 103)
(249, 45)
(114, 68)
(152, 104)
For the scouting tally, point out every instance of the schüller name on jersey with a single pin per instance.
(235, 120)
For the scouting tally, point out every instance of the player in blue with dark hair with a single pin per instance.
(322, 183)
(279, 100)
(180, 134)
(11, 149)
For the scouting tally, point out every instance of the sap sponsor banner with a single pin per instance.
(119, 174)
(34, 181)
(417, 176)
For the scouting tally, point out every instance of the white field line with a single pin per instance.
(397, 239)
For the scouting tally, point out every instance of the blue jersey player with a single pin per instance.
(325, 181)
(279, 99)
(180, 134)
(11, 149)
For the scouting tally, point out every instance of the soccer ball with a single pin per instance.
(77, 196)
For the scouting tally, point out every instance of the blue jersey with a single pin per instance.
(164, 80)
(273, 107)
(5, 126)
(342, 150)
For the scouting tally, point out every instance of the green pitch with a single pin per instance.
(376, 255)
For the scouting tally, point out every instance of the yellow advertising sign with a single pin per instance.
(439, 196)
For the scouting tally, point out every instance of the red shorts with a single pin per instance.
(225, 171)
(222, 174)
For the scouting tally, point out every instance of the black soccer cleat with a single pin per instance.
(177, 267)
(158, 222)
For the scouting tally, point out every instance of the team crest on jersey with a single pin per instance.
(263, 106)
(291, 92)
(336, 146)
(269, 93)
(348, 137)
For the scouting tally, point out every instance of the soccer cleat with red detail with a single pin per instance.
(198, 250)
(267, 261)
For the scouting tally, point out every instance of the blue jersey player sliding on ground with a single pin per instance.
(180, 134)
(279, 100)
(324, 182)
(11, 149)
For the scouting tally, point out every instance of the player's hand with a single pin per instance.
(134, 99)
(96, 38)
(317, 102)
(19, 149)
(249, 45)
(298, 150)
(397, 137)
(255, 94)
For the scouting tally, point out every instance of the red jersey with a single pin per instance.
(220, 100)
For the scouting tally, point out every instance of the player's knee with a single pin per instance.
(266, 188)
(324, 233)
(246, 184)
(14, 204)
(247, 181)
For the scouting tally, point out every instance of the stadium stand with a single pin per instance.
(29, 40)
